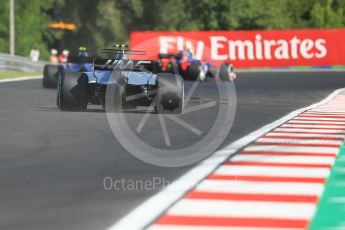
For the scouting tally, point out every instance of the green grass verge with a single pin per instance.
(15, 74)
(330, 214)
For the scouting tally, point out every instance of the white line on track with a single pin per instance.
(342, 112)
(157, 204)
(330, 114)
(284, 159)
(241, 170)
(300, 130)
(319, 119)
(246, 187)
(309, 135)
(329, 110)
(316, 122)
(294, 149)
(323, 111)
(189, 207)
(332, 107)
(297, 141)
(308, 126)
(196, 227)
(325, 115)
(20, 79)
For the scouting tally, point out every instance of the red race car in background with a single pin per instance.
(191, 68)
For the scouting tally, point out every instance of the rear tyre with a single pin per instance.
(202, 73)
(195, 72)
(225, 72)
(212, 72)
(50, 76)
(170, 94)
(72, 91)
(155, 67)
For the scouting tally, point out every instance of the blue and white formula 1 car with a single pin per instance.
(51, 72)
(133, 83)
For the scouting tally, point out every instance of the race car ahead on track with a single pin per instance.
(133, 82)
(191, 68)
(51, 71)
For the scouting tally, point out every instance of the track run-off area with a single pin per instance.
(279, 167)
(275, 182)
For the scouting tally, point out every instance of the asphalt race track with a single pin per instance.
(52, 163)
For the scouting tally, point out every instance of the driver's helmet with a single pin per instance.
(185, 55)
(189, 53)
(82, 52)
(120, 51)
(120, 56)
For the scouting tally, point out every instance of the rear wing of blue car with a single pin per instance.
(118, 63)
(122, 65)
(114, 64)
(163, 55)
(80, 60)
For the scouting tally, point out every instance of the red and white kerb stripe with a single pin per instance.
(274, 183)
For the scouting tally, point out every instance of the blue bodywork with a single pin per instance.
(130, 77)
(134, 82)
(76, 67)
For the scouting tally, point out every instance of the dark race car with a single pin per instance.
(74, 63)
(131, 81)
(191, 68)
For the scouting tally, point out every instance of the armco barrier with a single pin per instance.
(9, 62)
(275, 48)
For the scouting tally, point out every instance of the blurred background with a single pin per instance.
(67, 24)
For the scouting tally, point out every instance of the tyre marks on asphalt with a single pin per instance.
(274, 183)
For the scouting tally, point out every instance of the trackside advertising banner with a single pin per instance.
(276, 48)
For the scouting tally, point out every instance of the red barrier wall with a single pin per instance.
(277, 48)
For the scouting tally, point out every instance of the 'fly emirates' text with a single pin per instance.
(221, 48)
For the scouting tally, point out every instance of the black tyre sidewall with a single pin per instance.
(72, 91)
(224, 72)
(193, 71)
(168, 83)
(50, 76)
